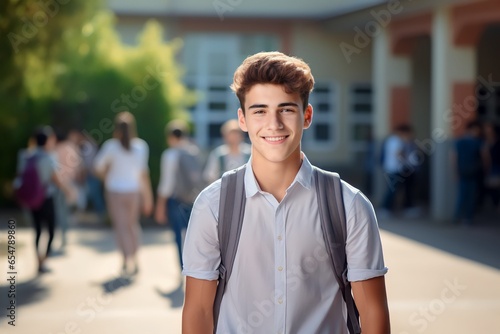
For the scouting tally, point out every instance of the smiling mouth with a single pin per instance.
(275, 139)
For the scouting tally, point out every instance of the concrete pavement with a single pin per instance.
(438, 282)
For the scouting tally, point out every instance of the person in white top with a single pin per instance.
(281, 281)
(232, 154)
(123, 164)
(395, 166)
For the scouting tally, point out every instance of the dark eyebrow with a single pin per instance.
(256, 106)
(284, 104)
(288, 104)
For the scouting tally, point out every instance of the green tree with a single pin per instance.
(72, 71)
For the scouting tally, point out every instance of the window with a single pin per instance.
(211, 74)
(361, 115)
(321, 135)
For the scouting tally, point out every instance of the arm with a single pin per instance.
(161, 210)
(371, 300)
(147, 194)
(197, 314)
(168, 171)
(101, 163)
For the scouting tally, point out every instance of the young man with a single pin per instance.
(282, 280)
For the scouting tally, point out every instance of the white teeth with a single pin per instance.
(274, 138)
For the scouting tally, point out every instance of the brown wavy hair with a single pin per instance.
(273, 68)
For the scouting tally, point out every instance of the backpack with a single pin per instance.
(189, 180)
(333, 225)
(31, 192)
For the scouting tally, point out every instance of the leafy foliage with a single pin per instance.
(73, 71)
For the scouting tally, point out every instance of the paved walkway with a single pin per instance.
(439, 282)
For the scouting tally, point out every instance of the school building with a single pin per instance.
(430, 63)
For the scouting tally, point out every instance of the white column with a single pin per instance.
(442, 191)
(388, 71)
(381, 88)
(450, 65)
(381, 92)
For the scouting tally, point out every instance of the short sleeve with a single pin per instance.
(363, 247)
(201, 254)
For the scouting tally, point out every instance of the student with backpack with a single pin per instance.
(180, 181)
(275, 261)
(36, 187)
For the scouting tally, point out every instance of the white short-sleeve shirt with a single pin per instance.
(282, 279)
(124, 167)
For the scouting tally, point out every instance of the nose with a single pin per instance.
(275, 122)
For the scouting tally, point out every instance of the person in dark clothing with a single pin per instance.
(492, 179)
(468, 160)
(44, 216)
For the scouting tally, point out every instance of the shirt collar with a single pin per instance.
(303, 177)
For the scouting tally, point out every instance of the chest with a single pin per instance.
(289, 232)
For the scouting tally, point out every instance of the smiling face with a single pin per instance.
(274, 121)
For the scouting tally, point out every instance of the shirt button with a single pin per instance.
(280, 238)
(280, 301)
(280, 268)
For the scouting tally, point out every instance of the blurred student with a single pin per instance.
(180, 181)
(123, 164)
(44, 166)
(393, 166)
(230, 155)
(468, 158)
(68, 169)
(93, 184)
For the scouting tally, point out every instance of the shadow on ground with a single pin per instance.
(175, 296)
(116, 283)
(479, 243)
(27, 292)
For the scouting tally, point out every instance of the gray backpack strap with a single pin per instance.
(231, 211)
(333, 224)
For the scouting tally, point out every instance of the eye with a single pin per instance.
(287, 110)
(258, 111)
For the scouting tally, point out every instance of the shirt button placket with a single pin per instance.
(280, 278)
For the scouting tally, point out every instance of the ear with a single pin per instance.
(242, 121)
(308, 116)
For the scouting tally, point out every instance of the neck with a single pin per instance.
(276, 177)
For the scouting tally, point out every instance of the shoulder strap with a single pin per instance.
(333, 224)
(231, 212)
